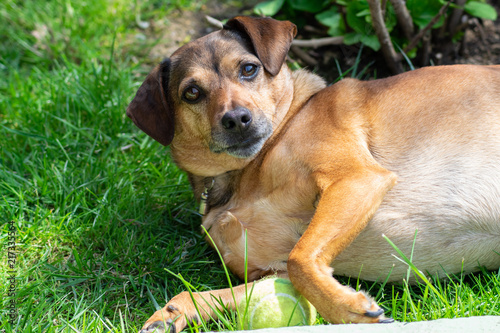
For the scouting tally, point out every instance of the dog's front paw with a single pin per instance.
(167, 320)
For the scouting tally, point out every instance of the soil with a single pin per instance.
(184, 26)
(480, 45)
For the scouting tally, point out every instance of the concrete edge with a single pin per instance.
(484, 324)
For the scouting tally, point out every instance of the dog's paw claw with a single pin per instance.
(386, 321)
(374, 314)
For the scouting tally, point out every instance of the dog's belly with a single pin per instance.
(445, 248)
(450, 201)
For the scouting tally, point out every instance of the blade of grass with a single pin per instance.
(416, 271)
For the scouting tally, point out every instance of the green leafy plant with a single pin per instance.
(400, 23)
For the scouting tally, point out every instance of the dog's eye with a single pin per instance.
(191, 94)
(248, 71)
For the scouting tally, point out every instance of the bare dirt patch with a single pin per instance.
(184, 26)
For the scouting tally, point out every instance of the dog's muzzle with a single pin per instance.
(240, 133)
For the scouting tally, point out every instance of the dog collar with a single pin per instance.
(204, 195)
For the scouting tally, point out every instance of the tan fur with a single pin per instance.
(413, 154)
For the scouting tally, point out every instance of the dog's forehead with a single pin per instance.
(208, 53)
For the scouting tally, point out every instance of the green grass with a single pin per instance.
(99, 209)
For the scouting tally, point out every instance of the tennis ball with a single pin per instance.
(274, 302)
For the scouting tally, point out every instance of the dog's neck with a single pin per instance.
(218, 190)
(305, 85)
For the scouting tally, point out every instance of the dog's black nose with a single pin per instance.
(237, 120)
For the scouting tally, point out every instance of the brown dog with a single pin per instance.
(310, 172)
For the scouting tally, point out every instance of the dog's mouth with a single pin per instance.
(246, 148)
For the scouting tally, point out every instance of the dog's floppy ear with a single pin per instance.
(150, 109)
(271, 39)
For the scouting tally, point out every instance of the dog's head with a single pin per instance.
(218, 98)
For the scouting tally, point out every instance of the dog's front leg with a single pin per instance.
(181, 309)
(346, 205)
